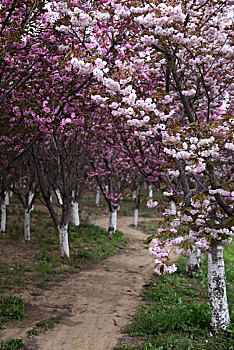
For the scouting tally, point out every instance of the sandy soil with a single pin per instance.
(97, 302)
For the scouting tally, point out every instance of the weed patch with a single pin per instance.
(11, 307)
(11, 344)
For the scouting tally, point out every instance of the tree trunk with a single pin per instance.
(3, 217)
(27, 224)
(220, 319)
(173, 207)
(150, 191)
(97, 201)
(136, 215)
(112, 223)
(193, 260)
(58, 195)
(75, 213)
(63, 239)
(31, 195)
(6, 198)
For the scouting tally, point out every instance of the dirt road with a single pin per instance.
(102, 299)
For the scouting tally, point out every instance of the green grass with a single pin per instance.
(175, 313)
(11, 344)
(11, 307)
(45, 324)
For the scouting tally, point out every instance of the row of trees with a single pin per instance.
(149, 83)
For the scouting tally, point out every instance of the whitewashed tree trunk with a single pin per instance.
(115, 219)
(97, 201)
(6, 194)
(3, 217)
(193, 260)
(75, 213)
(27, 225)
(59, 196)
(63, 239)
(173, 207)
(134, 195)
(136, 215)
(11, 194)
(150, 191)
(31, 195)
(112, 223)
(220, 319)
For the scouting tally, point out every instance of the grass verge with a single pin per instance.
(175, 313)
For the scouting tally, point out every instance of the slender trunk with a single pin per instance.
(6, 194)
(27, 224)
(220, 319)
(63, 239)
(97, 201)
(112, 223)
(136, 215)
(3, 217)
(31, 195)
(75, 213)
(193, 261)
(11, 194)
(115, 219)
(134, 195)
(173, 207)
(150, 191)
(58, 195)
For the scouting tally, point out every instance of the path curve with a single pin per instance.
(103, 299)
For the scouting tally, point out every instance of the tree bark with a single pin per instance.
(27, 224)
(150, 191)
(97, 201)
(75, 213)
(217, 294)
(136, 215)
(3, 217)
(112, 223)
(193, 261)
(63, 238)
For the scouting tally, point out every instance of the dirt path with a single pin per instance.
(100, 300)
(103, 299)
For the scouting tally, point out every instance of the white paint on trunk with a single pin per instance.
(173, 208)
(150, 191)
(136, 215)
(193, 260)
(115, 219)
(220, 318)
(27, 224)
(63, 239)
(11, 194)
(75, 213)
(97, 201)
(31, 195)
(3, 217)
(112, 222)
(59, 198)
(134, 194)
(6, 196)
(118, 209)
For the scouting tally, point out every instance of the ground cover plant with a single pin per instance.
(175, 313)
(11, 344)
